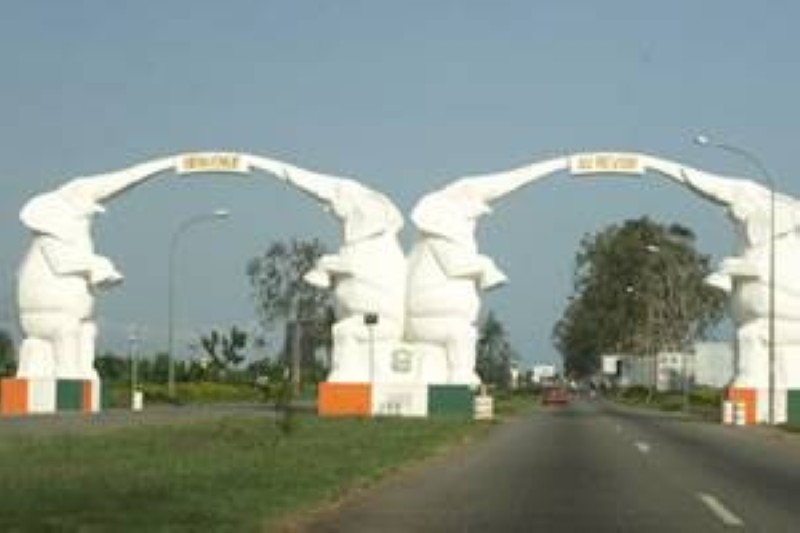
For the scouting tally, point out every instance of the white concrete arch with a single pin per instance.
(61, 274)
(447, 219)
(427, 303)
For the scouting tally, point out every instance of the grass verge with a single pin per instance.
(240, 473)
(703, 402)
(186, 393)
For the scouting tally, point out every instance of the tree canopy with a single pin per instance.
(279, 291)
(283, 297)
(7, 357)
(638, 289)
(225, 350)
(493, 353)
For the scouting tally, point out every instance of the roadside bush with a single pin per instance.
(670, 401)
(635, 394)
(706, 397)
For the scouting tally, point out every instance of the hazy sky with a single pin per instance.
(405, 96)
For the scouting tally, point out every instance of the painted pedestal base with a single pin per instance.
(450, 400)
(19, 397)
(398, 399)
(793, 407)
(756, 404)
(344, 399)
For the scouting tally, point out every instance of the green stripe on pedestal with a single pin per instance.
(450, 400)
(69, 395)
(793, 407)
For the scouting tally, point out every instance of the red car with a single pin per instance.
(555, 396)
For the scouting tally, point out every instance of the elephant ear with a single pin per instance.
(448, 215)
(49, 214)
(58, 214)
(366, 213)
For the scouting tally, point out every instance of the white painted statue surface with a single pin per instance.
(427, 305)
(61, 274)
(446, 273)
(367, 274)
(748, 205)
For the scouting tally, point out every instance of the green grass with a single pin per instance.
(197, 392)
(703, 401)
(507, 403)
(192, 392)
(236, 474)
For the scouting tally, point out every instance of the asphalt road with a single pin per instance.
(594, 467)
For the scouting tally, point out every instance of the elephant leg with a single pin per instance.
(753, 354)
(461, 356)
(347, 363)
(87, 349)
(35, 359)
(66, 349)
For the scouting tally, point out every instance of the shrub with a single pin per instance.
(637, 393)
(706, 397)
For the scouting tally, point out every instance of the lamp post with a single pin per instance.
(703, 140)
(133, 357)
(173, 246)
(371, 320)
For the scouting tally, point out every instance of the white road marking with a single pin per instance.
(721, 512)
(642, 446)
(619, 428)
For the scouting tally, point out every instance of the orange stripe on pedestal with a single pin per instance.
(86, 397)
(748, 397)
(14, 396)
(344, 399)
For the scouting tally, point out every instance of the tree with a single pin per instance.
(225, 350)
(283, 297)
(157, 369)
(8, 362)
(638, 288)
(494, 352)
(111, 367)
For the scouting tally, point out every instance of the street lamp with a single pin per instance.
(173, 246)
(371, 320)
(703, 140)
(133, 359)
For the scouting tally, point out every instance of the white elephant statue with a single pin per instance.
(446, 273)
(746, 275)
(60, 274)
(367, 274)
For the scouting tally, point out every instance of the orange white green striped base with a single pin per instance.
(749, 398)
(395, 399)
(20, 396)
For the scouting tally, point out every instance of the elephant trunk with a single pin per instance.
(491, 187)
(103, 187)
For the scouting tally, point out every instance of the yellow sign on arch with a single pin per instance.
(606, 163)
(212, 162)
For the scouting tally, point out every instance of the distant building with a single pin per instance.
(611, 364)
(514, 376)
(542, 373)
(710, 365)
